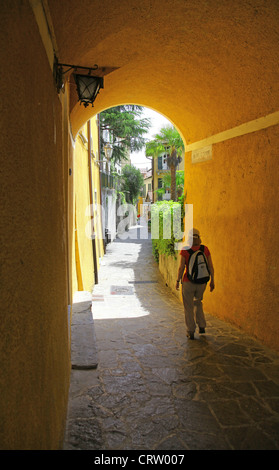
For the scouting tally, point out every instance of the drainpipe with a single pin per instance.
(93, 234)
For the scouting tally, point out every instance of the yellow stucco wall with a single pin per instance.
(98, 215)
(97, 202)
(85, 272)
(234, 210)
(208, 78)
(234, 197)
(34, 349)
(83, 265)
(204, 60)
(148, 181)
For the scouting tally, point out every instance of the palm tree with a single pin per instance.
(168, 140)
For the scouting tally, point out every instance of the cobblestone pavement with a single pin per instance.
(154, 389)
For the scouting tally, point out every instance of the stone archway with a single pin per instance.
(208, 66)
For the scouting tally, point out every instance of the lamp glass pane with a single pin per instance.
(87, 87)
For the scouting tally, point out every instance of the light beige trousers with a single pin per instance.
(192, 295)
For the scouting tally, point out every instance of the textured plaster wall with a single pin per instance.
(82, 202)
(235, 198)
(168, 266)
(72, 279)
(83, 266)
(97, 203)
(208, 67)
(34, 351)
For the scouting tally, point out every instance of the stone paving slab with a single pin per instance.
(84, 354)
(153, 388)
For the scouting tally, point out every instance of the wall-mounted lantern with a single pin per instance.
(108, 151)
(88, 86)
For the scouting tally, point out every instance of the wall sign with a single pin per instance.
(202, 155)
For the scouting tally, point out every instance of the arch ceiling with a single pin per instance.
(207, 65)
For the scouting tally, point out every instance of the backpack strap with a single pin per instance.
(202, 249)
(190, 251)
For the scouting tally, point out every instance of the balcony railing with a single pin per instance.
(109, 181)
(163, 170)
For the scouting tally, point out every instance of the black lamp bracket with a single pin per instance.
(58, 72)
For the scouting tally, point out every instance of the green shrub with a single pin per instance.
(165, 242)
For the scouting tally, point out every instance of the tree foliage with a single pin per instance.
(168, 139)
(126, 128)
(167, 136)
(132, 182)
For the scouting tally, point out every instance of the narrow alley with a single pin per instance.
(153, 389)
